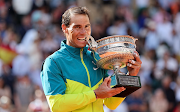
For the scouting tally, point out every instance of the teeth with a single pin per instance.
(81, 38)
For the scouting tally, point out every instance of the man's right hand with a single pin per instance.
(105, 90)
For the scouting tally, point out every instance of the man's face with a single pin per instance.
(78, 29)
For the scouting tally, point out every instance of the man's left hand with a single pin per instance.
(133, 66)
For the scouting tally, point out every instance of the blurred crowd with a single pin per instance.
(30, 30)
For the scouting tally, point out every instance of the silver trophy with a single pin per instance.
(114, 52)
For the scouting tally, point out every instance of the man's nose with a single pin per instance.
(83, 30)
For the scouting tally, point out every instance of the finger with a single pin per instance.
(134, 62)
(109, 83)
(118, 90)
(129, 65)
(133, 66)
(136, 56)
(106, 80)
(121, 88)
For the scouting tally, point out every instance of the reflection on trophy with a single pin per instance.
(114, 52)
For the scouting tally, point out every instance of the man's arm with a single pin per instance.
(105, 91)
(70, 102)
(54, 87)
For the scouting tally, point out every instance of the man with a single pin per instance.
(69, 81)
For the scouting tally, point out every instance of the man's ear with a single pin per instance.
(64, 28)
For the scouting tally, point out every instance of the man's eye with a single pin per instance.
(87, 27)
(77, 26)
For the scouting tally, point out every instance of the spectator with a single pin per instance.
(164, 30)
(39, 103)
(25, 26)
(135, 102)
(118, 28)
(158, 102)
(24, 93)
(169, 93)
(4, 89)
(21, 64)
(9, 81)
(168, 63)
(151, 41)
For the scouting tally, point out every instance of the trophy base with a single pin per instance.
(131, 83)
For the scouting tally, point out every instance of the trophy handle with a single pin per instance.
(92, 43)
(117, 71)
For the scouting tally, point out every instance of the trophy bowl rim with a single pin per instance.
(104, 38)
(115, 43)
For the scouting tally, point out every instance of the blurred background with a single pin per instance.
(30, 30)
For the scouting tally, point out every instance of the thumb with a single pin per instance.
(109, 83)
(106, 80)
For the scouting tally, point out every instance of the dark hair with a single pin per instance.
(74, 10)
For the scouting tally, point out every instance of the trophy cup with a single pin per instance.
(114, 52)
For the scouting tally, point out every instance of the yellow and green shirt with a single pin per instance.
(69, 78)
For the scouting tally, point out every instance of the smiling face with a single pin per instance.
(77, 30)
